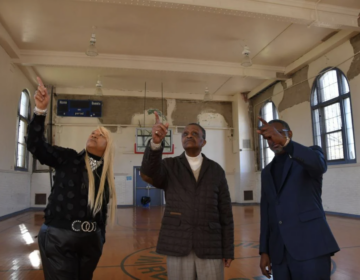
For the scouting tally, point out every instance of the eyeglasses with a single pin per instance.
(283, 130)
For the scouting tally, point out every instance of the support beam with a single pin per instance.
(111, 92)
(32, 58)
(7, 43)
(261, 87)
(30, 74)
(323, 48)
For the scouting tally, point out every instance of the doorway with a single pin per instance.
(141, 188)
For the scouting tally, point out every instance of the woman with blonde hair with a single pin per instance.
(73, 234)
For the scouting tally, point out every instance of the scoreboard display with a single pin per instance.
(79, 108)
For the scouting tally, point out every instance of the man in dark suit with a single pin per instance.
(197, 231)
(296, 242)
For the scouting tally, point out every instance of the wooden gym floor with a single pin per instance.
(129, 252)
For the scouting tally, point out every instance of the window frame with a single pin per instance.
(21, 118)
(322, 105)
(263, 142)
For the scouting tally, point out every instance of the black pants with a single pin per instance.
(69, 255)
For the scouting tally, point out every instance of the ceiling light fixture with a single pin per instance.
(246, 61)
(208, 96)
(98, 90)
(91, 50)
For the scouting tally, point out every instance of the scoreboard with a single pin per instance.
(79, 108)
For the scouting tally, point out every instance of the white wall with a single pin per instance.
(14, 192)
(245, 176)
(40, 183)
(73, 132)
(341, 189)
(14, 186)
(341, 182)
(299, 119)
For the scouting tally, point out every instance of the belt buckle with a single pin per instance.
(73, 225)
(85, 226)
(88, 226)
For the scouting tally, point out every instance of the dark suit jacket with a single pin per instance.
(294, 217)
(198, 214)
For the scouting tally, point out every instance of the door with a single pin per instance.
(142, 188)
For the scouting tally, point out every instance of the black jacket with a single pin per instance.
(198, 215)
(68, 200)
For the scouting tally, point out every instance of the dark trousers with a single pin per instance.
(313, 269)
(69, 255)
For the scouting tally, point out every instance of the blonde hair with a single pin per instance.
(107, 173)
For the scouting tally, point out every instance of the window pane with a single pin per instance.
(317, 131)
(345, 85)
(266, 154)
(329, 86)
(334, 143)
(24, 105)
(349, 129)
(314, 98)
(20, 161)
(21, 146)
(261, 148)
(22, 131)
(267, 112)
(332, 115)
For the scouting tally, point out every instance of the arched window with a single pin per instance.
(268, 112)
(332, 117)
(23, 121)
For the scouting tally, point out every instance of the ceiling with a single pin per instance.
(185, 47)
(352, 4)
